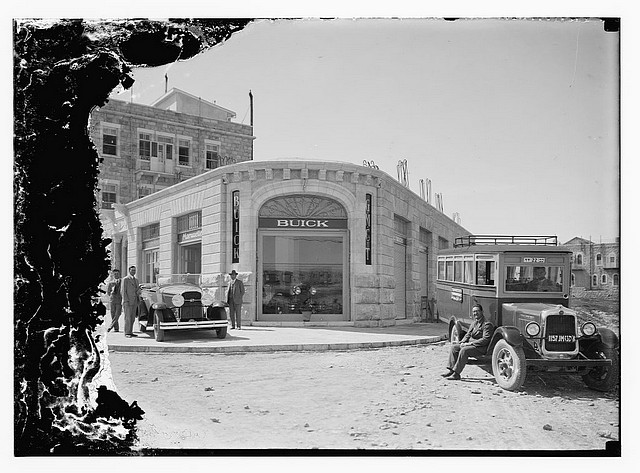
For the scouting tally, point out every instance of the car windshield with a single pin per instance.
(534, 278)
(166, 279)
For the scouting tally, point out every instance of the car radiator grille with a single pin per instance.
(560, 325)
(191, 310)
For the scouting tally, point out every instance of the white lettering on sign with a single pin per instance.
(456, 295)
(533, 260)
(303, 223)
(561, 338)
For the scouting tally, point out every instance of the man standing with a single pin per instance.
(115, 299)
(235, 291)
(130, 297)
(474, 343)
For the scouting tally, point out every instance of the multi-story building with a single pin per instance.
(596, 266)
(146, 148)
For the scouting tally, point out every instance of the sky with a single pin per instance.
(515, 122)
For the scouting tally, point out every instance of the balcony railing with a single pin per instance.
(155, 166)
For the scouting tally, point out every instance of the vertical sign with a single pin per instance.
(235, 249)
(367, 244)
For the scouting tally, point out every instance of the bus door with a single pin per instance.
(485, 289)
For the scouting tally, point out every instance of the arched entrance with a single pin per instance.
(303, 251)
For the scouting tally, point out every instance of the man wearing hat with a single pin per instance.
(235, 291)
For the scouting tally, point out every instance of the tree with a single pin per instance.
(62, 70)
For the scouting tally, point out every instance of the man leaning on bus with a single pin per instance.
(474, 344)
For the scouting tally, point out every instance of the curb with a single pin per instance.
(274, 348)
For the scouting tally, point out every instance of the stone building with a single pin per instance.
(336, 242)
(146, 148)
(595, 266)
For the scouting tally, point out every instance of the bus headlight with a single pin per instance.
(532, 329)
(588, 329)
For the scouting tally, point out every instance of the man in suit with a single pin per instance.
(115, 299)
(235, 291)
(130, 289)
(474, 343)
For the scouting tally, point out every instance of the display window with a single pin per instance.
(303, 274)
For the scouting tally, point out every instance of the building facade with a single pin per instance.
(336, 242)
(147, 148)
(595, 266)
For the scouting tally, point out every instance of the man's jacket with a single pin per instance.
(113, 291)
(130, 290)
(235, 291)
(479, 334)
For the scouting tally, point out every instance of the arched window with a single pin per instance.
(616, 280)
(579, 258)
(594, 280)
(599, 259)
(604, 279)
(573, 279)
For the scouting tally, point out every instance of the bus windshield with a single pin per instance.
(534, 278)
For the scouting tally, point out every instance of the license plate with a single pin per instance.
(561, 338)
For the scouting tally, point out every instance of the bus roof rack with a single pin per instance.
(472, 240)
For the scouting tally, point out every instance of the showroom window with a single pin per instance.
(303, 253)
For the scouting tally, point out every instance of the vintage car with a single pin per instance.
(177, 302)
(523, 285)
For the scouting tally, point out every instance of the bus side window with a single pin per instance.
(481, 273)
(485, 273)
(491, 271)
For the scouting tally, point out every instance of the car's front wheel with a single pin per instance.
(606, 377)
(509, 366)
(157, 331)
(221, 332)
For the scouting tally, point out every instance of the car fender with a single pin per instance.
(608, 337)
(143, 313)
(511, 335)
(219, 304)
(216, 312)
(159, 306)
(453, 322)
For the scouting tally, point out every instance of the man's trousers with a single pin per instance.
(129, 317)
(458, 356)
(235, 314)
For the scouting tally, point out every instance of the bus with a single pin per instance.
(523, 285)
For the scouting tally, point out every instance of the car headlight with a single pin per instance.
(588, 329)
(206, 299)
(177, 300)
(532, 329)
(313, 291)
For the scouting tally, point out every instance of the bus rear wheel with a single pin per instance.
(454, 334)
(603, 378)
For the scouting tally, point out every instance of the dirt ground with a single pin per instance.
(389, 398)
